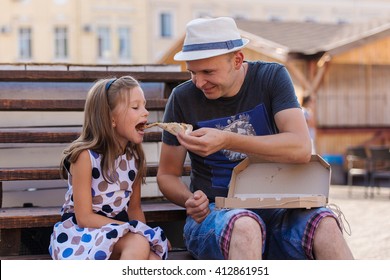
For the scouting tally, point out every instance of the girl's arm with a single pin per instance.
(82, 182)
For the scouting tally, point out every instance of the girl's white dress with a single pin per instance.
(69, 241)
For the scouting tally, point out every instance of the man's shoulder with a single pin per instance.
(186, 85)
(268, 71)
(265, 65)
(184, 88)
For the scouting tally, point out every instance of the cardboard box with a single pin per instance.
(260, 184)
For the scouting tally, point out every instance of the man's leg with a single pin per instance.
(329, 243)
(246, 240)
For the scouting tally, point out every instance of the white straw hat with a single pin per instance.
(210, 37)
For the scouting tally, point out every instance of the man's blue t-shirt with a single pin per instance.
(267, 89)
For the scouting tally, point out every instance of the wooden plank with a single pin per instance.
(370, 53)
(176, 254)
(52, 173)
(53, 135)
(1, 194)
(29, 173)
(89, 76)
(25, 257)
(337, 140)
(39, 135)
(10, 241)
(63, 104)
(12, 218)
(41, 105)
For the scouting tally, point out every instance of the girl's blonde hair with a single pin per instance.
(98, 133)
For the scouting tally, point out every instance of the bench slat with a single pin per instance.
(177, 254)
(52, 173)
(90, 76)
(53, 135)
(31, 217)
(70, 105)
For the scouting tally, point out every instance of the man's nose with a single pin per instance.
(199, 81)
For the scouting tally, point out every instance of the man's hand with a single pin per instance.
(198, 206)
(204, 141)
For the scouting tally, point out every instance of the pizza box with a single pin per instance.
(257, 183)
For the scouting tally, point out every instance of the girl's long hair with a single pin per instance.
(98, 133)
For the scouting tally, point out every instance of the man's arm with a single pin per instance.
(170, 183)
(291, 144)
(170, 172)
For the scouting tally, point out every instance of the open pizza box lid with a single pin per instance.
(257, 183)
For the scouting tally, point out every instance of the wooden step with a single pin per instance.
(175, 254)
(63, 104)
(90, 76)
(52, 173)
(54, 135)
(32, 217)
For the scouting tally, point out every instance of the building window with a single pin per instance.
(124, 43)
(104, 42)
(25, 51)
(165, 25)
(61, 43)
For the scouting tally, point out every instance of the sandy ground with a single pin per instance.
(369, 220)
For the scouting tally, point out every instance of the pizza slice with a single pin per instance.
(172, 127)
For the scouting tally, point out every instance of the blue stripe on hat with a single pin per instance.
(213, 46)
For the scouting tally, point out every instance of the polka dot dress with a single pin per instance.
(69, 241)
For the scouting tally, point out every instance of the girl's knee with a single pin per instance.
(132, 246)
(154, 256)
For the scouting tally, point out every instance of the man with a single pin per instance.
(238, 108)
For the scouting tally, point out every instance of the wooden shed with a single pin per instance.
(345, 67)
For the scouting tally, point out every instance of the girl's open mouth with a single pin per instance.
(140, 127)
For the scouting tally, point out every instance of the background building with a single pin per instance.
(73, 31)
(141, 32)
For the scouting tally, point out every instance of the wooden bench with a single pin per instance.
(13, 220)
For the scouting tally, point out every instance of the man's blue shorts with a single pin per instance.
(287, 233)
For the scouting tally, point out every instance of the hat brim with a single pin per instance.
(196, 55)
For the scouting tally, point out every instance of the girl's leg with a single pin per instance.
(153, 256)
(131, 246)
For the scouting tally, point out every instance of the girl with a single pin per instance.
(102, 216)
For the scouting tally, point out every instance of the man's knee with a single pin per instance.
(247, 226)
(329, 242)
(246, 240)
(329, 224)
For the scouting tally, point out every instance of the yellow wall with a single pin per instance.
(42, 16)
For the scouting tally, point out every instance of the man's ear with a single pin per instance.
(238, 59)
